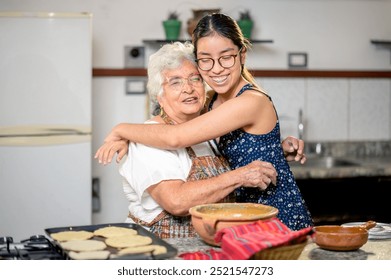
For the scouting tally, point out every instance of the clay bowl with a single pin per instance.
(340, 238)
(207, 219)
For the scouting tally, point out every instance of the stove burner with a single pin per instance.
(35, 238)
(37, 247)
(6, 240)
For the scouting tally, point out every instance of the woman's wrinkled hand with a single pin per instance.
(258, 174)
(109, 149)
(294, 149)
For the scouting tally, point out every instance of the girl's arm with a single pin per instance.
(242, 111)
(231, 115)
(236, 113)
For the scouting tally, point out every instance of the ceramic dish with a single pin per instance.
(207, 219)
(380, 231)
(340, 238)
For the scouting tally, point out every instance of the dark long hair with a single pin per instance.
(226, 27)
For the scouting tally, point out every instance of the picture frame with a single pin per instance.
(297, 60)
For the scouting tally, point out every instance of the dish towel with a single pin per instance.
(243, 241)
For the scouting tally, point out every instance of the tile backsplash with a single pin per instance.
(355, 149)
(334, 109)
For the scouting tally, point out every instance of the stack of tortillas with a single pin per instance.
(72, 235)
(114, 231)
(81, 245)
(127, 241)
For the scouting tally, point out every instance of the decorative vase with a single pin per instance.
(172, 29)
(246, 26)
(197, 15)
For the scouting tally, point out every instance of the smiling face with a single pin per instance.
(223, 80)
(183, 95)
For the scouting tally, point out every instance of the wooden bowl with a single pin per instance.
(340, 238)
(207, 219)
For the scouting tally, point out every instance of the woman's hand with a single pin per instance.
(107, 151)
(294, 149)
(258, 174)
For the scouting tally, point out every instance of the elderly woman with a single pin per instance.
(162, 185)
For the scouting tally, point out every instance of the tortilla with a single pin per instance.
(72, 235)
(89, 255)
(114, 231)
(155, 249)
(83, 245)
(125, 241)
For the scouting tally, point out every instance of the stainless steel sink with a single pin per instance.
(325, 162)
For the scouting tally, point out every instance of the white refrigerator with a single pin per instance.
(45, 121)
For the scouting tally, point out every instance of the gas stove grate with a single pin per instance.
(37, 247)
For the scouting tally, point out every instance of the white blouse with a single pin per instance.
(146, 166)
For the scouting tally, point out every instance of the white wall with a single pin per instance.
(335, 34)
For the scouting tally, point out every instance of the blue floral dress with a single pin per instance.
(241, 148)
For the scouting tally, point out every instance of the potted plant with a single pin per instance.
(245, 23)
(197, 15)
(172, 26)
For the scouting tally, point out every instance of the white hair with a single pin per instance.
(169, 56)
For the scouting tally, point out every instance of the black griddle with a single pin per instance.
(171, 251)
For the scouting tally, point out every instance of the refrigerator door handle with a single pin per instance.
(70, 132)
(44, 135)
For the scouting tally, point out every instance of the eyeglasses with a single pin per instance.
(225, 61)
(177, 83)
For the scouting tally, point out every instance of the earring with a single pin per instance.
(162, 113)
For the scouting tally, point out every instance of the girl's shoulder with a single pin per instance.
(251, 87)
(254, 91)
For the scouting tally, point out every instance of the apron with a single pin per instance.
(166, 225)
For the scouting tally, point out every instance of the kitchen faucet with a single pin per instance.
(301, 131)
(318, 149)
(301, 124)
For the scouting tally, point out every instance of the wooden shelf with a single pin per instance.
(162, 41)
(254, 41)
(381, 42)
(119, 72)
(142, 72)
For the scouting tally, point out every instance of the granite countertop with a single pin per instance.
(370, 159)
(370, 166)
(372, 250)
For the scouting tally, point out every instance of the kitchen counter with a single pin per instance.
(372, 250)
(370, 159)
